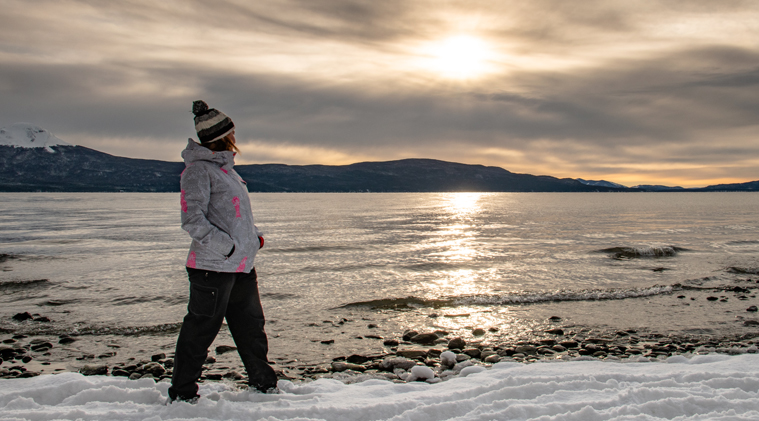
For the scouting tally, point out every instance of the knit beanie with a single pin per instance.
(210, 123)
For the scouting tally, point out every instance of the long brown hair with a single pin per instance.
(223, 144)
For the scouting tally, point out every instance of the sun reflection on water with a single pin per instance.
(464, 204)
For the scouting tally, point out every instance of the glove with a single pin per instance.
(261, 240)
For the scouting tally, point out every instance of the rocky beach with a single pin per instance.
(430, 356)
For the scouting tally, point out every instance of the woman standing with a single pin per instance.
(216, 212)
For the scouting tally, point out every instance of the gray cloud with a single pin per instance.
(677, 104)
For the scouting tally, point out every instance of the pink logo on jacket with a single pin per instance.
(191, 260)
(236, 202)
(241, 268)
(183, 202)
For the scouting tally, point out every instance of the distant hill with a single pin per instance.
(33, 159)
(656, 187)
(80, 169)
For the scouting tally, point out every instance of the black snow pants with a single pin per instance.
(214, 296)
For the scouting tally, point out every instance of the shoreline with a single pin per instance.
(30, 356)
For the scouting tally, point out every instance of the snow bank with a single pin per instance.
(713, 387)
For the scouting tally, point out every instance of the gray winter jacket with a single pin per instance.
(216, 212)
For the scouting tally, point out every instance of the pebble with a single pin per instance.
(472, 352)
(233, 375)
(424, 338)
(462, 357)
(525, 349)
(154, 368)
(120, 372)
(340, 366)
(456, 343)
(94, 369)
(407, 335)
(393, 363)
(224, 348)
(752, 308)
(413, 354)
(357, 359)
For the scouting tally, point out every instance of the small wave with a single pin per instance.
(742, 270)
(124, 301)
(310, 249)
(516, 298)
(638, 252)
(400, 303)
(56, 303)
(343, 268)
(585, 295)
(57, 330)
(440, 266)
(22, 283)
(742, 242)
(279, 296)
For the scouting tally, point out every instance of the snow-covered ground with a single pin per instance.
(704, 387)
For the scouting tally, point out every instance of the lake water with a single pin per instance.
(108, 268)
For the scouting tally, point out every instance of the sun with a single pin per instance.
(459, 57)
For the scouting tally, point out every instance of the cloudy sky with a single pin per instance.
(631, 91)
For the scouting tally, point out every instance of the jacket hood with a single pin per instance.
(194, 152)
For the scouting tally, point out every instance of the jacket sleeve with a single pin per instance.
(196, 194)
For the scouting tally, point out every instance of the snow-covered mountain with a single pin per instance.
(25, 135)
(602, 183)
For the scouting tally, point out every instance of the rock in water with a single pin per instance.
(20, 317)
(752, 308)
(94, 369)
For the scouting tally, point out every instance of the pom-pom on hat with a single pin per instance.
(210, 123)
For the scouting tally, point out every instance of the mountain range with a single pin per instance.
(32, 159)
